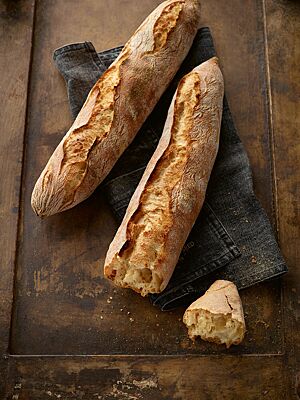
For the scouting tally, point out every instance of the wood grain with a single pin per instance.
(16, 20)
(284, 60)
(238, 31)
(62, 304)
(61, 292)
(147, 378)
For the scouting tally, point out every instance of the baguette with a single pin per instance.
(116, 107)
(168, 199)
(217, 316)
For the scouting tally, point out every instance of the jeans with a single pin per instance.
(232, 238)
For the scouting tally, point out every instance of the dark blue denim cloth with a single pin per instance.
(232, 237)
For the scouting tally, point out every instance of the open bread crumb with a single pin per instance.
(217, 316)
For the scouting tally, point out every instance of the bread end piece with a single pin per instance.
(141, 280)
(217, 316)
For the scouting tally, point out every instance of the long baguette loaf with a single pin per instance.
(168, 199)
(116, 107)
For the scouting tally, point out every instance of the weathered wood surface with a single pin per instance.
(283, 32)
(150, 378)
(63, 294)
(62, 304)
(16, 20)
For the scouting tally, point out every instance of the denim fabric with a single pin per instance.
(232, 237)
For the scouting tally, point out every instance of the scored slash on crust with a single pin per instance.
(137, 265)
(168, 199)
(116, 107)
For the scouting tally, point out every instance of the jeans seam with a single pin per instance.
(68, 48)
(96, 59)
(220, 229)
(266, 272)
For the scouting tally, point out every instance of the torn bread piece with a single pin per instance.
(217, 316)
(169, 197)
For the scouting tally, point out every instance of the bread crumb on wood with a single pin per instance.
(253, 260)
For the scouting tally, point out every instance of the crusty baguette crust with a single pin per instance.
(116, 107)
(221, 299)
(171, 192)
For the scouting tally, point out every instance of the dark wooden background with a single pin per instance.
(65, 332)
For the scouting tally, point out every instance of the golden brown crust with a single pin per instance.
(171, 192)
(116, 107)
(221, 304)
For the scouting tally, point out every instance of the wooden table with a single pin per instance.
(63, 333)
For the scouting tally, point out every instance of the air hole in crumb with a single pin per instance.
(146, 275)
